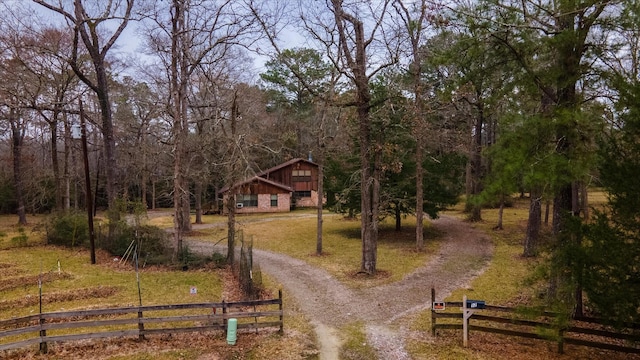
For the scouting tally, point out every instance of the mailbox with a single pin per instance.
(475, 304)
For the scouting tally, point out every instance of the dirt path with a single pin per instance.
(464, 254)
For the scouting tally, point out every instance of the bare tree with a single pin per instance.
(414, 21)
(50, 51)
(89, 24)
(360, 44)
(18, 87)
(185, 36)
(312, 79)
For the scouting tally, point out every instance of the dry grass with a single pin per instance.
(502, 281)
(342, 246)
(69, 282)
(77, 276)
(501, 284)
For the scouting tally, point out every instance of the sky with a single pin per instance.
(129, 44)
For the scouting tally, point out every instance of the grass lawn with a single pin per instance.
(504, 283)
(70, 282)
(76, 284)
(342, 247)
(294, 234)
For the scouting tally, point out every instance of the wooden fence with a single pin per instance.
(138, 321)
(542, 325)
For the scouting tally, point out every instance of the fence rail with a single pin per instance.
(541, 324)
(138, 321)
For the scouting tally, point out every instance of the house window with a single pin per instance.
(301, 175)
(247, 200)
(274, 200)
(302, 194)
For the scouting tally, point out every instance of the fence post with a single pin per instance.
(43, 335)
(281, 313)
(224, 317)
(140, 325)
(465, 322)
(433, 312)
(560, 341)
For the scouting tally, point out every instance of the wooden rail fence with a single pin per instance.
(542, 325)
(138, 321)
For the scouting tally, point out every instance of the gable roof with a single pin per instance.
(258, 179)
(285, 164)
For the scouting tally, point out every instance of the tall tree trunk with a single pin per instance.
(500, 214)
(369, 256)
(153, 194)
(398, 216)
(369, 187)
(17, 137)
(476, 164)
(231, 228)
(182, 221)
(55, 163)
(414, 28)
(66, 165)
(198, 201)
(419, 195)
(108, 139)
(533, 224)
(547, 208)
(144, 181)
(320, 206)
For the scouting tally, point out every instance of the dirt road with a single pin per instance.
(464, 254)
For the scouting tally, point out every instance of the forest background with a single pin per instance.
(405, 106)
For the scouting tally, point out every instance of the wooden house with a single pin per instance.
(281, 188)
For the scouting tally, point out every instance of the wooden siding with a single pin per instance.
(284, 176)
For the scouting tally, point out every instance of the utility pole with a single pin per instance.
(87, 180)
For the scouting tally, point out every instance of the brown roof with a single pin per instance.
(285, 164)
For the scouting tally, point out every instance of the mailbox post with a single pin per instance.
(468, 308)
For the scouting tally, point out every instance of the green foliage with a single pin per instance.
(297, 74)
(612, 241)
(21, 239)
(395, 148)
(150, 241)
(7, 200)
(611, 279)
(342, 183)
(68, 229)
(187, 259)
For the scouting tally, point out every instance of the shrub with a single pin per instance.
(187, 259)
(150, 241)
(20, 240)
(68, 229)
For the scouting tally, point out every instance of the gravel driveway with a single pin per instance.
(464, 254)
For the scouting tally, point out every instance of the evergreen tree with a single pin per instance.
(611, 244)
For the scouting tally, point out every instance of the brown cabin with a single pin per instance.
(278, 189)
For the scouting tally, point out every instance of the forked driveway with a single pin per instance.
(464, 253)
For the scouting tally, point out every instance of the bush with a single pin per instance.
(68, 229)
(187, 259)
(151, 243)
(20, 240)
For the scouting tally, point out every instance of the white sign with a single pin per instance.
(194, 290)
